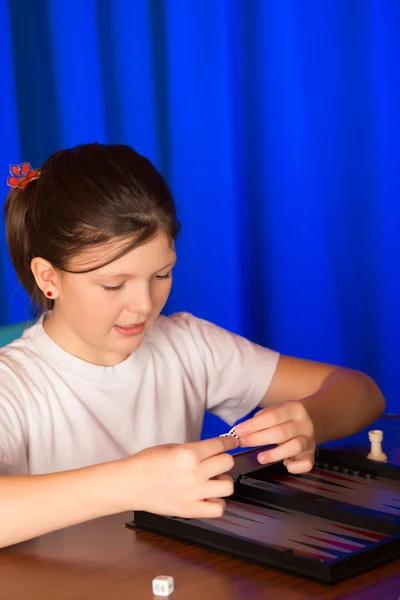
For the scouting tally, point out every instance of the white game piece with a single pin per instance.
(376, 437)
(163, 585)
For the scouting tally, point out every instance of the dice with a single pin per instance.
(230, 433)
(163, 585)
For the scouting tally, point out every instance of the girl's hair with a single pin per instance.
(86, 196)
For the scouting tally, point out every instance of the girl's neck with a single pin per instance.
(59, 331)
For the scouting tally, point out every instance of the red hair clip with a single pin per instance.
(21, 175)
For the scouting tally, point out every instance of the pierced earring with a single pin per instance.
(49, 294)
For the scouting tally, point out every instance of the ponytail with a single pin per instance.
(18, 227)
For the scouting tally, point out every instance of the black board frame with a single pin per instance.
(245, 474)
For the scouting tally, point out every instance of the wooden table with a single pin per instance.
(104, 560)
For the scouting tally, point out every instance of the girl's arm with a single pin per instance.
(309, 403)
(340, 401)
(178, 480)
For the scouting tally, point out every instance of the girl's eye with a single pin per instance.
(166, 276)
(112, 288)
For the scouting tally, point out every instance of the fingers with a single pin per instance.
(212, 508)
(276, 425)
(214, 446)
(274, 435)
(218, 488)
(223, 477)
(216, 465)
(303, 465)
(270, 417)
(290, 448)
(215, 490)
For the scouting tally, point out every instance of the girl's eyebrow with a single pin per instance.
(128, 275)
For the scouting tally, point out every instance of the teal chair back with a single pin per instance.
(9, 333)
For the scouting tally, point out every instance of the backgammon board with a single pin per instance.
(339, 520)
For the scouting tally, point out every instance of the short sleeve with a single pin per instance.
(13, 436)
(238, 372)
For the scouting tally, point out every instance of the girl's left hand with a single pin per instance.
(287, 425)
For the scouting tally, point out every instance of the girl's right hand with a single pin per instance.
(187, 480)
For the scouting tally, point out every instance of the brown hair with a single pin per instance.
(88, 195)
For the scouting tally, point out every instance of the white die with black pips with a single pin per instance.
(230, 433)
(163, 585)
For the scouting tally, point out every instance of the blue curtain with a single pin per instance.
(276, 124)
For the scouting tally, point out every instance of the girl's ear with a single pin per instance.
(47, 278)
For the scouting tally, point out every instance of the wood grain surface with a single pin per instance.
(103, 559)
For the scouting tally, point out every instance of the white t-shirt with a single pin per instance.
(58, 412)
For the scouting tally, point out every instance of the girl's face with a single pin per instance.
(102, 316)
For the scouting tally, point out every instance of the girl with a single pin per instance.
(102, 400)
